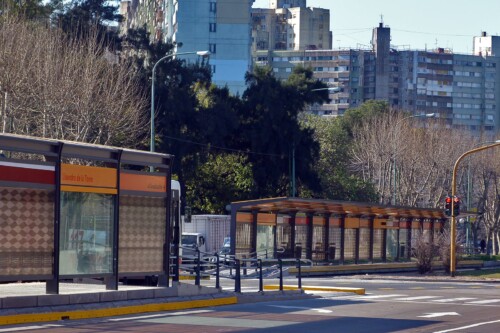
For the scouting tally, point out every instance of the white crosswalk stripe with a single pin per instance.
(381, 296)
(419, 299)
(415, 298)
(451, 300)
(485, 301)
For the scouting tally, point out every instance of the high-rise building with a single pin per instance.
(461, 89)
(219, 26)
(290, 25)
(486, 46)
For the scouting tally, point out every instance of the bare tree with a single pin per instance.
(59, 87)
(486, 171)
(410, 164)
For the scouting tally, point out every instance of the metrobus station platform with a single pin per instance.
(22, 303)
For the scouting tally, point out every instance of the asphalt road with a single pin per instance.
(388, 306)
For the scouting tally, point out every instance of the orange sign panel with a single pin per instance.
(352, 222)
(268, 219)
(144, 183)
(318, 220)
(243, 217)
(80, 175)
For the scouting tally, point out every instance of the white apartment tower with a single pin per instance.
(290, 25)
(487, 46)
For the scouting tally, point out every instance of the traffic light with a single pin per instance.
(456, 206)
(447, 206)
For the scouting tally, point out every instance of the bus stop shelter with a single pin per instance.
(75, 210)
(329, 230)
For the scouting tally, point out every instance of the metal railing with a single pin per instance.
(236, 267)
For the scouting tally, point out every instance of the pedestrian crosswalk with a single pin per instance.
(424, 298)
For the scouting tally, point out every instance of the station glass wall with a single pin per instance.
(86, 233)
(265, 240)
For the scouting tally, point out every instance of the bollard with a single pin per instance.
(298, 252)
(237, 279)
(300, 275)
(217, 271)
(331, 253)
(261, 283)
(280, 263)
(197, 279)
(244, 264)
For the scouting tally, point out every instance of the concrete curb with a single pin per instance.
(359, 291)
(82, 313)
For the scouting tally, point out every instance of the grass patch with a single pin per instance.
(483, 274)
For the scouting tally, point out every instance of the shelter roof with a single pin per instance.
(287, 205)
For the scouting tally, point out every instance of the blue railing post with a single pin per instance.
(217, 271)
(261, 283)
(237, 279)
(300, 275)
(280, 264)
(197, 279)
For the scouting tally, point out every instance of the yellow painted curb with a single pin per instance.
(359, 291)
(110, 312)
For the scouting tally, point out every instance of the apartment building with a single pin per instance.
(461, 89)
(290, 25)
(219, 26)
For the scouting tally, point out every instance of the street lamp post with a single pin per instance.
(292, 158)
(453, 217)
(426, 115)
(200, 53)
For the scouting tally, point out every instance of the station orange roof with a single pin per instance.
(284, 205)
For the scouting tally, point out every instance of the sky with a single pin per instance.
(415, 24)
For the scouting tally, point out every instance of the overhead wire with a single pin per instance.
(222, 148)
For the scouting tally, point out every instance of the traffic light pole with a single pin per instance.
(453, 217)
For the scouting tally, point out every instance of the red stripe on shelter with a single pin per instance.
(24, 175)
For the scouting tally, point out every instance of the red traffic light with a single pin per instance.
(448, 200)
(456, 199)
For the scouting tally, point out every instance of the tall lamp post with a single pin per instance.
(426, 115)
(293, 186)
(200, 53)
(453, 217)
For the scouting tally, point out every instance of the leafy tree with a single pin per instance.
(271, 132)
(81, 18)
(38, 10)
(337, 180)
(223, 178)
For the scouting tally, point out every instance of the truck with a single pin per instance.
(207, 233)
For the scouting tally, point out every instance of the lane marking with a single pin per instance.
(449, 300)
(469, 326)
(439, 314)
(415, 298)
(180, 313)
(301, 308)
(26, 328)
